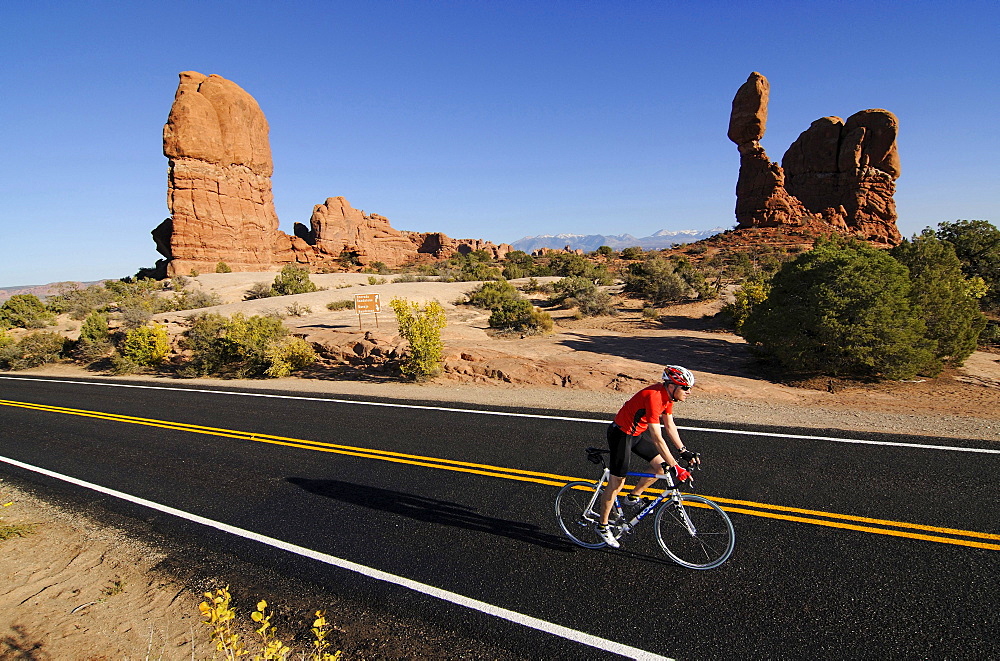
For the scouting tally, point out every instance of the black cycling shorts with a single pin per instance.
(621, 443)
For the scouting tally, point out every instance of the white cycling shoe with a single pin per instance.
(609, 539)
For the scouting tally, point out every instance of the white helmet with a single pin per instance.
(679, 375)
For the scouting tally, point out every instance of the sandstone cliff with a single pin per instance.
(836, 175)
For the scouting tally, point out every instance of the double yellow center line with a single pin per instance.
(814, 517)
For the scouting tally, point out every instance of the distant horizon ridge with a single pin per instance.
(590, 242)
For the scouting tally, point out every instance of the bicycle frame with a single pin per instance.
(671, 492)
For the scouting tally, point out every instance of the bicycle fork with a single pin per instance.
(678, 505)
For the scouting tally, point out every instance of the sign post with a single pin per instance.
(367, 304)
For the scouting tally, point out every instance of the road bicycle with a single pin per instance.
(692, 530)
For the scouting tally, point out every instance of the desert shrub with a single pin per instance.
(32, 350)
(605, 251)
(841, 309)
(192, 300)
(752, 293)
(584, 295)
(570, 288)
(179, 282)
(479, 271)
(257, 291)
(570, 265)
(519, 264)
(24, 311)
(372, 280)
(990, 337)
(513, 272)
(220, 617)
(147, 346)
(650, 313)
(656, 279)
(531, 286)
(222, 267)
(694, 277)
(293, 280)
(296, 309)
(203, 339)
(241, 347)
(129, 289)
(349, 258)
(633, 253)
(138, 300)
(490, 294)
(135, 314)
(520, 315)
(78, 303)
(421, 327)
(942, 294)
(595, 303)
(95, 338)
(410, 277)
(5, 339)
(288, 355)
(341, 305)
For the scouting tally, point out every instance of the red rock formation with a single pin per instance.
(337, 229)
(849, 171)
(761, 198)
(219, 179)
(221, 206)
(835, 175)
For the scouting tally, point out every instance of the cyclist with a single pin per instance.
(651, 408)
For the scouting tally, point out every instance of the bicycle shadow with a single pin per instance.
(430, 510)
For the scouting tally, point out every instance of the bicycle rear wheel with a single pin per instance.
(575, 515)
(697, 534)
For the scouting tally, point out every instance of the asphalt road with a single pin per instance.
(462, 502)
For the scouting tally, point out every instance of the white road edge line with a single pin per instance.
(430, 590)
(833, 439)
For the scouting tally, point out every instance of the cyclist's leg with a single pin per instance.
(645, 449)
(619, 443)
(615, 485)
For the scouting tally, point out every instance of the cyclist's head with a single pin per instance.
(678, 375)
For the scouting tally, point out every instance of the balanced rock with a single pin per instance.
(761, 198)
(836, 175)
(219, 180)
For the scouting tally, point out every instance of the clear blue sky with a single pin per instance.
(482, 119)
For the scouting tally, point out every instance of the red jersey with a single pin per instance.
(645, 407)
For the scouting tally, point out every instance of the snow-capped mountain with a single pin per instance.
(591, 242)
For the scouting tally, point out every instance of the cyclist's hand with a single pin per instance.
(680, 473)
(693, 458)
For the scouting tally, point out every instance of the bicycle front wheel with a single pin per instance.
(577, 515)
(696, 533)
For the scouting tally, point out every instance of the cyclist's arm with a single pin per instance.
(656, 433)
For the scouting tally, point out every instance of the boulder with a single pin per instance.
(748, 119)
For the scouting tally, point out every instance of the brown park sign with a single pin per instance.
(367, 304)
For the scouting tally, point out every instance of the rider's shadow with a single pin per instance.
(430, 510)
